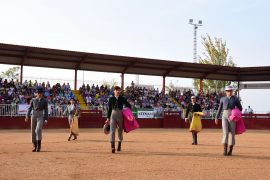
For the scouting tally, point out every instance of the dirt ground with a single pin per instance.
(147, 154)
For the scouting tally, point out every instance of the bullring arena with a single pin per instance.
(147, 154)
(160, 149)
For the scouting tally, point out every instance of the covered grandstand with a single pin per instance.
(43, 57)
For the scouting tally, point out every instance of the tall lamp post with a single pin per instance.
(195, 37)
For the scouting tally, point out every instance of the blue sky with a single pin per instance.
(142, 28)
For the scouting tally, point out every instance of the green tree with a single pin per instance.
(11, 73)
(215, 52)
(169, 87)
(113, 83)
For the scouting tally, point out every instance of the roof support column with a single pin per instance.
(201, 86)
(122, 80)
(163, 85)
(21, 77)
(75, 80)
(238, 88)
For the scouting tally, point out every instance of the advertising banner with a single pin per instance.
(146, 113)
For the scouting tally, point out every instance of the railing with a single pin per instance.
(267, 116)
(210, 114)
(57, 111)
(9, 110)
(21, 110)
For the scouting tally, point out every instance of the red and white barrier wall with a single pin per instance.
(94, 119)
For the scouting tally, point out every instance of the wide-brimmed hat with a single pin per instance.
(229, 88)
(106, 128)
(39, 90)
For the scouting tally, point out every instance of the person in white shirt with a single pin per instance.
(250, 110)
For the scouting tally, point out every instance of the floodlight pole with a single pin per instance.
(195, 38)
(195, 46)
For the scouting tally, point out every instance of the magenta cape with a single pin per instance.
(130, 122)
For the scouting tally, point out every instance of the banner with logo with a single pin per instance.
(23, 109)
(146, 113)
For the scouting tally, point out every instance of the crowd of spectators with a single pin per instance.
(14, 92)
(208, 101)
(96, 97)
(142, 97)
(139, 97)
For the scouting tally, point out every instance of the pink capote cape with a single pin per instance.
(237, 117)
(130, 122)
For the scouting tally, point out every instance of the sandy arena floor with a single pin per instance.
(147, 154)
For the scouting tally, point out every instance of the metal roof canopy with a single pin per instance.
(55, 58)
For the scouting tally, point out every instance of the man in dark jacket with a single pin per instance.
(39, 106)
(114, 116)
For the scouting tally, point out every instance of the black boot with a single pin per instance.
(34, 146)
(195, 135)
(225, 150)
(193, 138)
(119, 146)
(230, 150)
(113, 147)
(38, 146)
(75, 137)
(69, 137)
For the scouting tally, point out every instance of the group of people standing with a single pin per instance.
(227, 104)
(39, 106)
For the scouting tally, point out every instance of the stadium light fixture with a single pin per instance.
(195, 37)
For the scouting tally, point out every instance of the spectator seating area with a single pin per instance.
(208, 101)
(139, 97)
(96, 97)
(17, 93)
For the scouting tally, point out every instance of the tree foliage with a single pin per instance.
(11, 73)
(215, 52)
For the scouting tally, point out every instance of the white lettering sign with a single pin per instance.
(145, 114)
